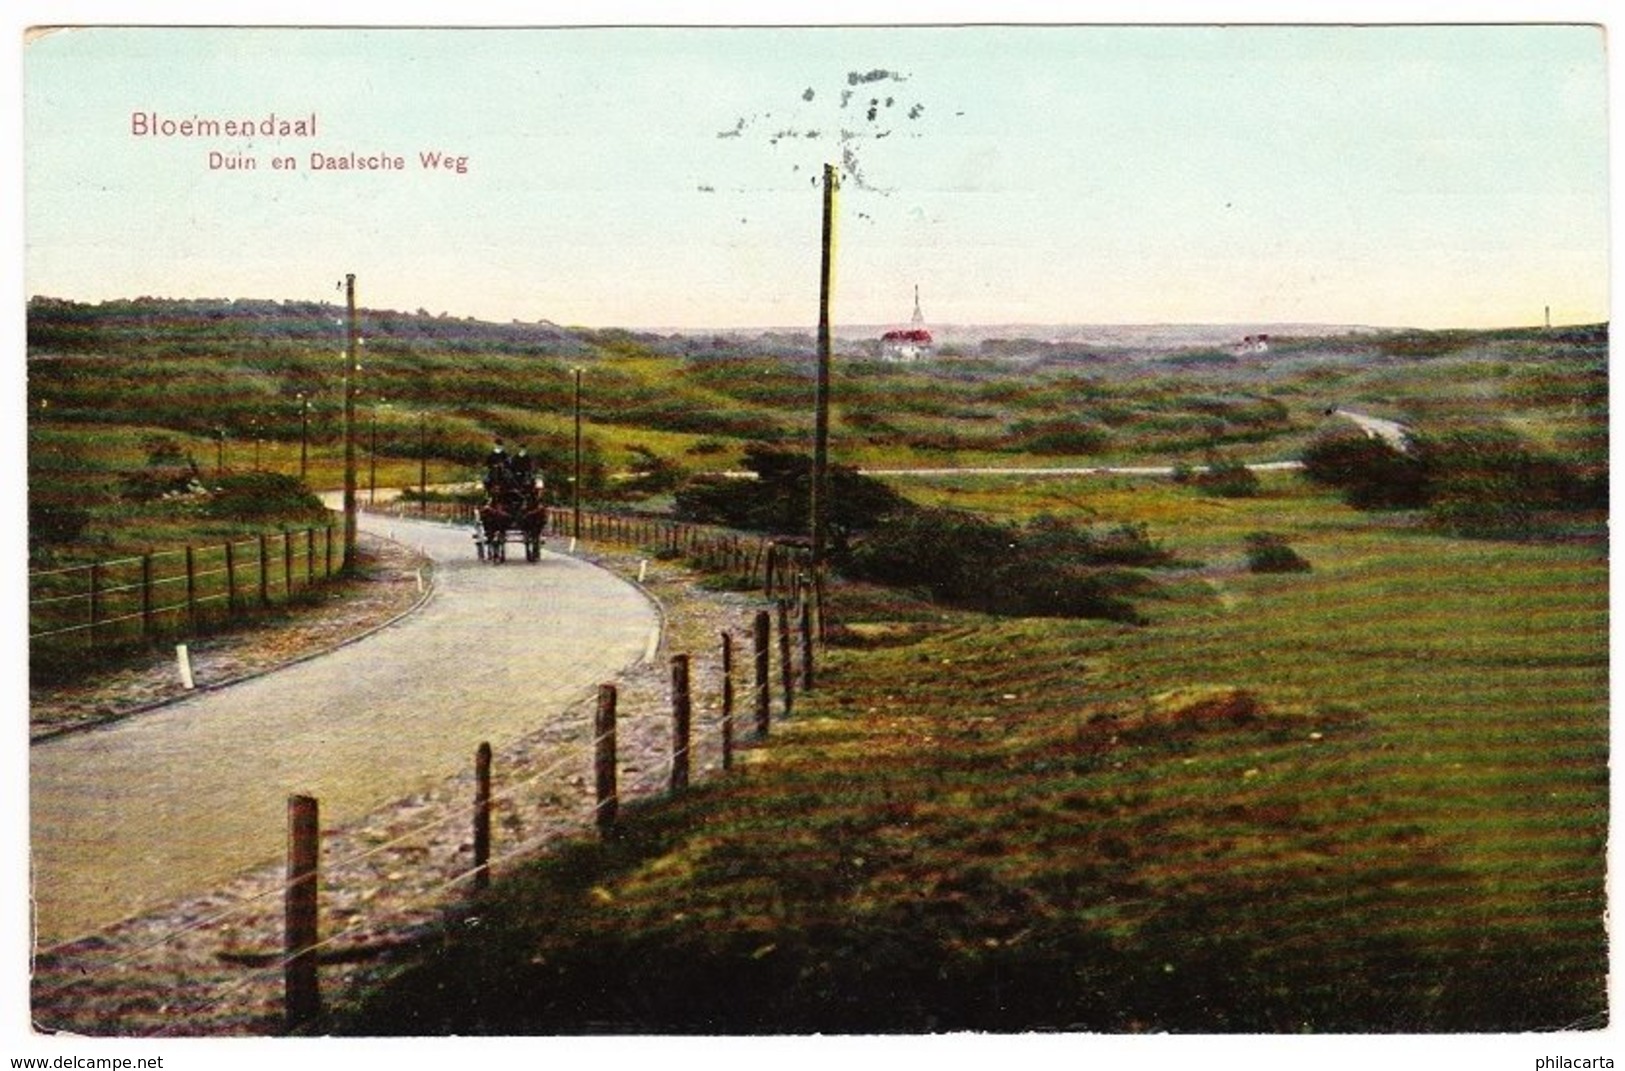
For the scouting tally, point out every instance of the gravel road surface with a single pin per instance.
(153, 807)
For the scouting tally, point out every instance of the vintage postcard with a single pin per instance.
(1049, 531)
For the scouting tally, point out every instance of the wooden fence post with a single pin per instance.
(604, 758)
(310, 556)
(804, 626)
(763, 714)
(818, 603)
(146, 595)
(679, 723)
(787, 669)
(231, 578)
(327, 565)
(727, 701)
(191, 587)
(287, 564)
(482, 817)
(301, 992)
(95, 601)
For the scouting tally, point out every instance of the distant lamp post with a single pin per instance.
(372, 462)
(576, 533)
(423, 464)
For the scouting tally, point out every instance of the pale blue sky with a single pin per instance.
(1431, 176)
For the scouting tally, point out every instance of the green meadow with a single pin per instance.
(1367, 797)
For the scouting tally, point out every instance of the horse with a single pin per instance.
(533, 522)
(495, 520)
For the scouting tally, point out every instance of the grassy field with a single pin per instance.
(230, 382)
(1368, 798)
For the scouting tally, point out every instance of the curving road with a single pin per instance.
(1391, 432)
(175, 801)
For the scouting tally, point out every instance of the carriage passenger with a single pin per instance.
(496, 468)
(522, 469)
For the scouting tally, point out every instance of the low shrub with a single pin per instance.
(1058, 436)
(263, 495)
(1226, 479)
(1371, 474)
(1476, 481)
(55, 523)
(149, 484)
(649, 473)
(777, 500)
(1268, 552)
(1127, 544)
(708, 448)
(1048, 569)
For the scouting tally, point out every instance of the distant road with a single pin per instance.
(1391, 432)
(1083, 470)
(1066, 470)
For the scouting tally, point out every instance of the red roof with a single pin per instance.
(916, 334)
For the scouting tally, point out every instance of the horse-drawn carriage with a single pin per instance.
(513, 511)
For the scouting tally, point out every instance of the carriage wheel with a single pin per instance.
(533, 549)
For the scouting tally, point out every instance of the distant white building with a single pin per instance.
(1254, 344)
(908, 344)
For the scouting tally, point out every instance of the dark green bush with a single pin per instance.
(1048, 569)
(1268, 552)
(650, 474)
(1482, 462)
(948, 553)
(53, 523)
(263, 496)
(1059, 436)
(1473, 481)
(1370, 473)
(1226, 479)
(1124, 544)
(779, 498)
(708, 448)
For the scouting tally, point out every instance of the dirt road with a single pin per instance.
(1391, 432)
(175, 800)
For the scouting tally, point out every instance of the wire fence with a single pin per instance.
(127, 601)
(778, 566)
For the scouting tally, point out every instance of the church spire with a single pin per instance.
(919, 317)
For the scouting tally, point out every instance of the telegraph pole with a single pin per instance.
(351, 372)
(820, 466)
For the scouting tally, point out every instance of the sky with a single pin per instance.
(1421, 175)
